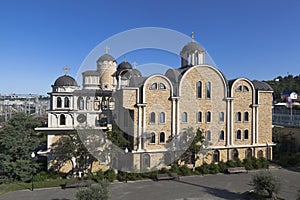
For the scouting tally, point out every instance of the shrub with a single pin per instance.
(231, 163)
(110, 175)
(266, 182)
(222, 166)
(42, 176)
(263, 163)
(248, 164)
(99, 191)
(255, 163)
(184, 170)
(213, 168)
(163, 170)
(174, 168)
(238, 163)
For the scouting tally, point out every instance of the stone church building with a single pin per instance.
(154, 111)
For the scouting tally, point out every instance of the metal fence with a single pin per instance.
(286, 117)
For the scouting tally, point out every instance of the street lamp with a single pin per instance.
(126, 151)
(32, 159)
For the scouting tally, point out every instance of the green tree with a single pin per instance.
(99, 191)
(266, 182)
(195, 143)
(17, 141)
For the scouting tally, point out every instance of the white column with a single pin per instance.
(193, 59)
(256, 125)
(173, 117)
(177, 117)
(144, 128)
(253, 124)
(231, 123)
(228, 122)
(139, 129)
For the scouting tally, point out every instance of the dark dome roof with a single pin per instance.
(136, 72)
(189, 48)
(124, 65)
(65, 80)
(106, 57)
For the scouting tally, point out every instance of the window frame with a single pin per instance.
(160, 137)
(208, 135)
(208, 117)
(238, 117)
(238, 133)
(199, 117)
(221, 133)
(246, 116)
(246, 133)
(58, 102)
(154, 86)
(199, 89)
(162, 115)
(162, 88)
(152, 118)
(184, 117)
(221, 117)
(152, 138)
(208, 90)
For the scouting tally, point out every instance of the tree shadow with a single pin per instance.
(217, 192)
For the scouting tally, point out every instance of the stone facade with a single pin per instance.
(154, 112)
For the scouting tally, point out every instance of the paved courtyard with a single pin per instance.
(219, 186)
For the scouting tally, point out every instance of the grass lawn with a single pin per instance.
(4, 188)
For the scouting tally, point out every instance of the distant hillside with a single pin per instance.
(287, 83)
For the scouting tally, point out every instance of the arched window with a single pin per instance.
(249, 153)
(246, 116)
(246, 89)
(162, 137)
(62, 119)
(67, 102)
(216, 156)
(238, 116)
(184, 117)
(88, 103)
(146, 161)
(162, 86)
(234, 154)
(260, 154)
(80, 103)
(208, 90)
(58, 102)
(208, 135)
(221, 117)
(221, 135)
(246, 134)
(152, 138)
(239, 89)
(199, 89)
(239, 135)
(162, 118)
(154, 86)
(199, 117)
(152, 117)
(208, 116)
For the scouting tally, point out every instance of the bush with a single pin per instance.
(213, 168)
(238, 163)
(248, 164)
(231, 163)
(222, 166)
(255, 163)
(99, 191)
(163, 170)
(42, 176)
(174, 169)
(266, 182)
(184, 170)
(110, 175)
(263, 163)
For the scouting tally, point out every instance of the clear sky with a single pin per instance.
(257, 39)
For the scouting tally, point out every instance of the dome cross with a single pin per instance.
(66, 68)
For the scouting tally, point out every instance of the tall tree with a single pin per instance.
(17, 141)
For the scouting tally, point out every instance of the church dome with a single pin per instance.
(106, 57)
(190, 48)
(124, 65)
(65, 80)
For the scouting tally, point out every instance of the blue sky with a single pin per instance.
(255, 39)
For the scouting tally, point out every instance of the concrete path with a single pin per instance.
(219, 186)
